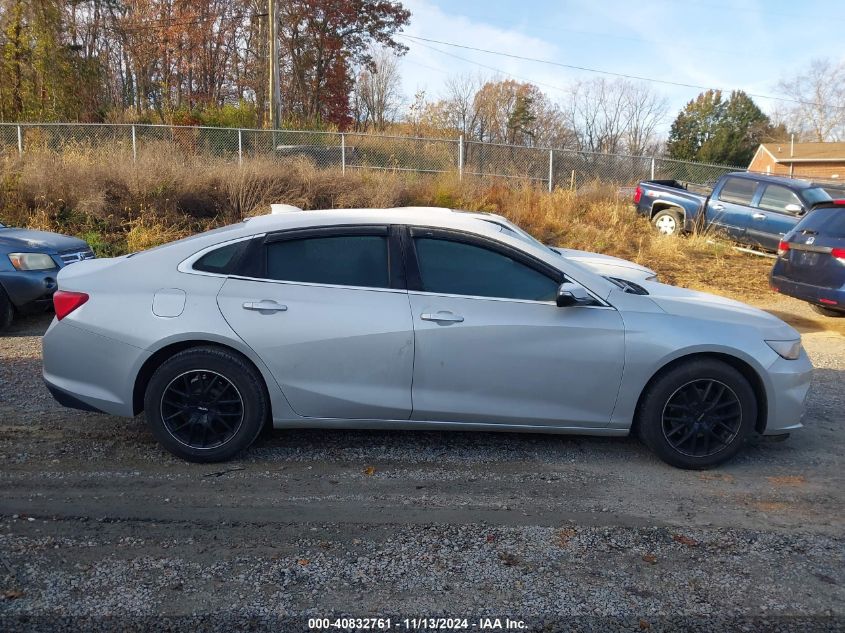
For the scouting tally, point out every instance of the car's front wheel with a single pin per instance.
(7, 310)
(206, 404)
(697, 414)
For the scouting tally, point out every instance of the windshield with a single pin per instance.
(814, 195)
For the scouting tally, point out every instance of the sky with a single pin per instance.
(728, 44)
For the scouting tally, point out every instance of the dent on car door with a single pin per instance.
(730, 208)
(492, 346)
(331, 321)
(777, 213)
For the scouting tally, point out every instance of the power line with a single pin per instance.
(602, 72)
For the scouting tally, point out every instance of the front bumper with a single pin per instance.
(789, 382)
(30, 289)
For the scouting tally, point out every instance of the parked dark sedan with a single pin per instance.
(29, 264)
(811, 260)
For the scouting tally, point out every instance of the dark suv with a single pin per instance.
(811, 260)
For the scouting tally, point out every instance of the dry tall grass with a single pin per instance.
(120, 207)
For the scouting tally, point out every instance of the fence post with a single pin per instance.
(572, 181)
(652, 167)
(343, 153)
(20, 141)
(461, 157)
(134, 146)
(551, 168)
(240, 146)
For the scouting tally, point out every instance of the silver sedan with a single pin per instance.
(413, 319)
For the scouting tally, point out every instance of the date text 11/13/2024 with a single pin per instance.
(416, 624)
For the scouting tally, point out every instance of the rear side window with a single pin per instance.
(342, 260)
(448, 267)
(825, 222)
(776, 198)
(738, 191)
(221, 260)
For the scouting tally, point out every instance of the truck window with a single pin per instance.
(775, 198)
(738, 191)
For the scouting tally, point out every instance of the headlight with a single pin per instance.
(790, 350)
(32, 261)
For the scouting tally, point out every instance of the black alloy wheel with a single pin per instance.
(702, 417)
(202, 409)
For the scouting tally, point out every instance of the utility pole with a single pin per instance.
(274, 66)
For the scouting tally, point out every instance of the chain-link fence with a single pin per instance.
(553, 168)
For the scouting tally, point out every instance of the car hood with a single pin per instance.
(28, 240)
(607, 264)
(701, 305)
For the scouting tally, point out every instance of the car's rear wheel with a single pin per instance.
(7, 310)
(668, 222)
(697, 414)
(828, 312)
(206, 404)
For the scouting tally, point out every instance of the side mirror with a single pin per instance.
(795, 209)
(572, 294)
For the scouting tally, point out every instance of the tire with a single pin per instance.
(668, 222)
(828, 312)
(715, 425)
(206, 404)
(7, 310)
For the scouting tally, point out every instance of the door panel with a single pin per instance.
(770, 221)
(515, 362)
(335, 352)
(729, 209)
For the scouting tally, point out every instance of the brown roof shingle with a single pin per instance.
(806, 151)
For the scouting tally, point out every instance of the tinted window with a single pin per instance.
(463, 269)
(825, 222)
(220, 260)
(775, 198)
(738, 191)
(344, 260)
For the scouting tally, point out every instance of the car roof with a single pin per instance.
(794, 183)
(424, 216)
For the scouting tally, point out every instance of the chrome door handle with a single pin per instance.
(441, 317)
(759, 216)
(718, 207)
(265, 305)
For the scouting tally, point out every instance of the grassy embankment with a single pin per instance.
(120, 207)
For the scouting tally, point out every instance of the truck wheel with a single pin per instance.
(668, 222)
(7, 311)
(828, 312)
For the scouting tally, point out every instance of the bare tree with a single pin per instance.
(820, 89)
(378, 91)
(615, 116)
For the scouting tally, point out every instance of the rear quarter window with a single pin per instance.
(827, 222)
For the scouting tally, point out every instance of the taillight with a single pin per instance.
(638, 194)
(783, 248)
(65, 302)
(838, 253)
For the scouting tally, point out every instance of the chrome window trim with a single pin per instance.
(315, 285)
(422, 293)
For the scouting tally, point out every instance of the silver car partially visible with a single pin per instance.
(412, 319)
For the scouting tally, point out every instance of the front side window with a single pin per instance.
(342, 260)
(448, 267)
(738, 191)
(776, 198)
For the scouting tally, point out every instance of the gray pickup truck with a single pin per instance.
(752, 209)
(29, 264)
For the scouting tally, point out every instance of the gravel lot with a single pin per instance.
(101, 529)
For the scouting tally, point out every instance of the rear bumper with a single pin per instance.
(809, 292)
(88, 371)
(789, 383)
